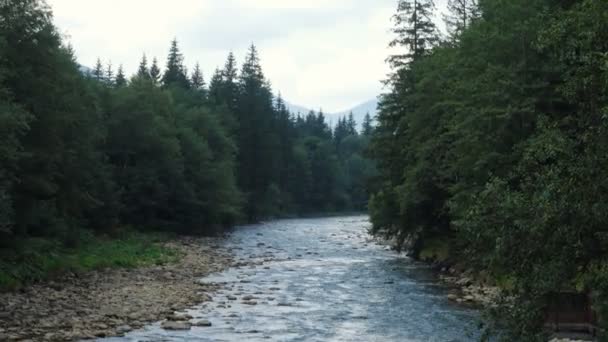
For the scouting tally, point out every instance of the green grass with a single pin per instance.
(36, 259)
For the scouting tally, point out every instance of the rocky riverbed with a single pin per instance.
(318, 280)
(113, 302)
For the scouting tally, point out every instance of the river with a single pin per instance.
(322, 280)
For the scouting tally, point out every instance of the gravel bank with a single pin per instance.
(112, 302)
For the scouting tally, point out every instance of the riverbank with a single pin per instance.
(112, 302)
(466, 286)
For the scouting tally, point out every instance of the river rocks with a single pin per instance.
(171, 325)
(203, 323)
(123, 329)
(470, 292)
(112, 302)
(250, 302)
(177, 318)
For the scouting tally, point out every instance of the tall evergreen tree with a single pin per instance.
(415, 30)
(109, 75)
(143, 71)
(99, 72)
(462, 13)
(155, 71)
(368, 127)
(175, 71)
(257, 142)
(196, 80)
(121, 79)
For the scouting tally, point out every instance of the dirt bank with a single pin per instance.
(112, 302)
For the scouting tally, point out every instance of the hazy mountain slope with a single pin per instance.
(359, 111)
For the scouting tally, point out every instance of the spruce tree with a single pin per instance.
(462, 13)
(109, 78)
(351, 124)
(196, 80)
(143, 71)
(230, 88)
(215, 87)
(175, 71)
(121, 80)
(99, 72)
(367, 125)
(155, 71)
(414, 30)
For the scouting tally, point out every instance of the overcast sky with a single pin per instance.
(317, 53)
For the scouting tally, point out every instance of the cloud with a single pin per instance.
(318, 53)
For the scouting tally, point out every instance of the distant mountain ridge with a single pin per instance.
(358, 111)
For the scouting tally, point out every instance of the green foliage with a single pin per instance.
(99, 151)
(495, 142)
(35, 259)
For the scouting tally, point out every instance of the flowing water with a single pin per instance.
(322, 280)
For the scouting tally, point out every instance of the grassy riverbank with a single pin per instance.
(31, 260)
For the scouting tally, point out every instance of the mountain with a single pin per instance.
(85, 70)
(359, 112)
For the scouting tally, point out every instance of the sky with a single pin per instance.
(327, 54)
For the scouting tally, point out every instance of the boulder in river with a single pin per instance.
(203, 323)
(172, 325)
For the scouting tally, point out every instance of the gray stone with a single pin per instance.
(171, 325)
(203, 323)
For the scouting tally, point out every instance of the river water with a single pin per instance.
(322, 280)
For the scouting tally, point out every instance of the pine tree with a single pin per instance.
(215, 87)
(143, 71)
(175, 72)
(109, 74)
(351, 124)
(367, 125)
(462, 13)
(98, 72)
(230, 88)
(257, 142)
(415, 30)
(121, 80)
(196, 80)
(155, 71)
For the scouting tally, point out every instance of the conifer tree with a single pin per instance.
(230, 88)
(462, 13)
(351, 124)
(414, 30)
(367, 125)
(196, 80)
(175, 72)
(215, 87)
(143, 71)
(99, 72)
(155, 71)
(121, 79)
(109, 74)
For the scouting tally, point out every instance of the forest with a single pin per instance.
(98, 152)
(488, 151)
(491, 146)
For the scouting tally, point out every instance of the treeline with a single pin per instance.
(492, 140)
(158, 150)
